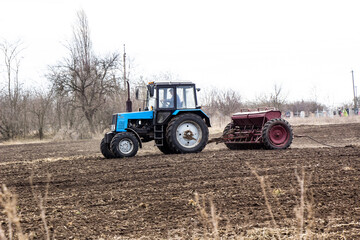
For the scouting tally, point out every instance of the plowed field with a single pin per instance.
(153, 195)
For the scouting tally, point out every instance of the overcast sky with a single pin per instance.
(307, 47)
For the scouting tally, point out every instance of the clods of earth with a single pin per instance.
(154, 196)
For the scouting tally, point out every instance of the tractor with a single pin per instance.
(172, 118)
(259, 128)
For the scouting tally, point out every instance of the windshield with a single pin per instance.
(166, 97)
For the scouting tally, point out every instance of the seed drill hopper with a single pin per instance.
(257, 129)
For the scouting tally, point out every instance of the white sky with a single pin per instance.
(308, 47)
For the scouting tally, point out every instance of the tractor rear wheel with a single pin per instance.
(124, 144)
(277, 134)
(165, 148)
(105, 149)
(187, 133)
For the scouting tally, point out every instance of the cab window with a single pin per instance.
(185, 97)
(166, 97)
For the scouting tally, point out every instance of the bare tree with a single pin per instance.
(276, 99)
(39, 107)
(220, 104)
(228, 101)
(207, 97)
(83, 75)
(11, 97)
(165, 76)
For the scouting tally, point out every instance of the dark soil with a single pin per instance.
(153, 195)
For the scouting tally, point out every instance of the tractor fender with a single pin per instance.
(195, 111)
(136, 135)
(108, 137)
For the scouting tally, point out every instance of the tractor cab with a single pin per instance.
(171, 96)
(172, 118)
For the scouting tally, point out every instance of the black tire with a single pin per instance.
(187, 133)
(124, 144)
(277, 134)
(165, 148)
(105, 149)
(239, 146)
(231, 146)
(227, 128)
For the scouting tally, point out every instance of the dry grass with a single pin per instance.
(8, 203)
(41, 201)
(23, 141)
(44, 160)
(209, 220)
(302, 226)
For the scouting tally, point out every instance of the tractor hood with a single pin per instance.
(120, 120)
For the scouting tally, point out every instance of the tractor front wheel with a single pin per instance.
(105, 149)
(277, 134)
(187, 133)
(124, 144)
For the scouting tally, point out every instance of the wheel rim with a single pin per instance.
(278, 135)
(126, 146)
(188, 134)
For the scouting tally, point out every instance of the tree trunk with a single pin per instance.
(41, 133)
(90, 119)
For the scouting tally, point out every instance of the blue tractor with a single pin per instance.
(172, 118)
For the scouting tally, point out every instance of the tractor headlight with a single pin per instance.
(112, 127)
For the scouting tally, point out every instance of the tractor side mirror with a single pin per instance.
(198, 89)
(151, 90)
(137, 94)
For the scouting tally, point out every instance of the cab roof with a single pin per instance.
(171, 83)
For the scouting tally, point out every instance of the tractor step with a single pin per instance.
(159, 135)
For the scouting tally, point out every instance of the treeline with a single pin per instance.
(221, 104)
(84, 89)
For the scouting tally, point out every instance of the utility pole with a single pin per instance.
(355, 100)
(127, 84)
(124, 62)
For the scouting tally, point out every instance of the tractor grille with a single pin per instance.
(113, 123)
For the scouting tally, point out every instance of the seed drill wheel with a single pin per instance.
(277, 134)
(124, 144)
(187, 133)
(105, 149)
(231, 146)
